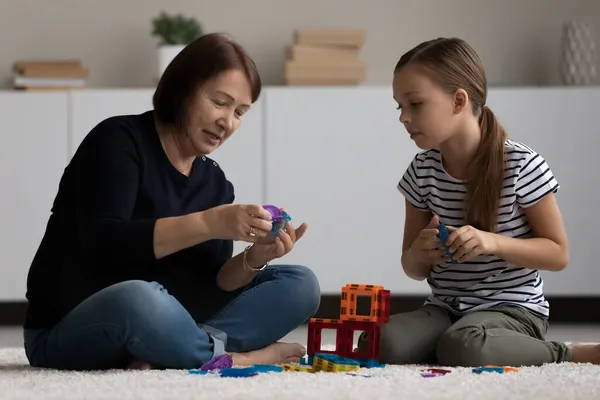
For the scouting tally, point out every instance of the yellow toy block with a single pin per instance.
(297, 368)
(320, 364)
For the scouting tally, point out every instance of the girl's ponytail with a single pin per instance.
(487, 180)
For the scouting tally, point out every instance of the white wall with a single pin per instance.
(518, 40)
(331, 156)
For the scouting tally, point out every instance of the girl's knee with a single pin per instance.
(463, 347)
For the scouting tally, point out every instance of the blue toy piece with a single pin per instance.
(443, 236)
(488, 369)
(371, 364)
(262, 368)
(198, 372)
(278, 217)
(238, 372)
(280, 223)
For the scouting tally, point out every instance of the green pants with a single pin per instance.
(507, 336)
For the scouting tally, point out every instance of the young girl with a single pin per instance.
(496, 196)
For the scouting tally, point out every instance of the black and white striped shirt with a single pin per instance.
(485, 281)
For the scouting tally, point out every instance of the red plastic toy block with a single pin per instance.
(373, 332)
(344, 338)
(315, 327)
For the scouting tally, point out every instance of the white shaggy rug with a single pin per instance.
(564, 382)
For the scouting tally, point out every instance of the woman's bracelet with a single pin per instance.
(247, 266)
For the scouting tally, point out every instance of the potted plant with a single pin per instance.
(175, 32)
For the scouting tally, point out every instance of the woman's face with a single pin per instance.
(217, 110)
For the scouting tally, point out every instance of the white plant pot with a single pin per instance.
(166, 54)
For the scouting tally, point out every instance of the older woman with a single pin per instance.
(136, 268)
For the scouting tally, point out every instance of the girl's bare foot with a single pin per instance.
(139, 364)
(277, 353)
(585, 353)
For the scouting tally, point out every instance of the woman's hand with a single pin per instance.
(466, 243)
(271, 247)
(246, 222)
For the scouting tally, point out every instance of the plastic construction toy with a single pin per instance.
(279, 217)
(434, 372)
(443, 236)
(219, 362)
(226, 370)
(238, 372)
(494, 368)
(344, 357)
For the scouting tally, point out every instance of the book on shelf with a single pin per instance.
(325, 57)
(49, 74)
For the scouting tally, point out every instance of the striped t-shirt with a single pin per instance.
(485, 281)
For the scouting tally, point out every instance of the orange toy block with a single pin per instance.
(379, 308)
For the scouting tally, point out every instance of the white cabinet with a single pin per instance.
(561, 124)
(333, 159)
(33, 155)
(332, 156)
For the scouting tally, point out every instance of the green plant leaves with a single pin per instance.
(176, 29)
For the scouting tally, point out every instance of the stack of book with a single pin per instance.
(326, 57)
(49, 74)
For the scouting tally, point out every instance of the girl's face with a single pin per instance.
(428, 112)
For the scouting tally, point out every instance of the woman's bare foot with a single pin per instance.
(139, 364)
(277, 353)
(585, 353)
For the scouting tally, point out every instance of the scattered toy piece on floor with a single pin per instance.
(433, 372)
(334, 363)
(494, 368)
(506, 369)
(198, 372)
(297, 368)
(262, 368)
(219, 362)
(354, 374)
(437, 371)
(238, 372)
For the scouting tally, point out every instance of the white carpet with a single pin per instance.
(564, 382)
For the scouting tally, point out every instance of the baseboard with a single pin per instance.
(567, 309)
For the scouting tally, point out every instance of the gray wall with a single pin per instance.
(518, 39)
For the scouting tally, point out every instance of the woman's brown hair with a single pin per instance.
(199, 62)
(454, 65)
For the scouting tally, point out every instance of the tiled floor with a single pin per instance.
(13, 336)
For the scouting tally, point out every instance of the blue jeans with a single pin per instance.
(138, 319)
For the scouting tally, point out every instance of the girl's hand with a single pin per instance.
(466, 243)
(427, 248)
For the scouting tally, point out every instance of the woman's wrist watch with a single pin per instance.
(247, 266)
